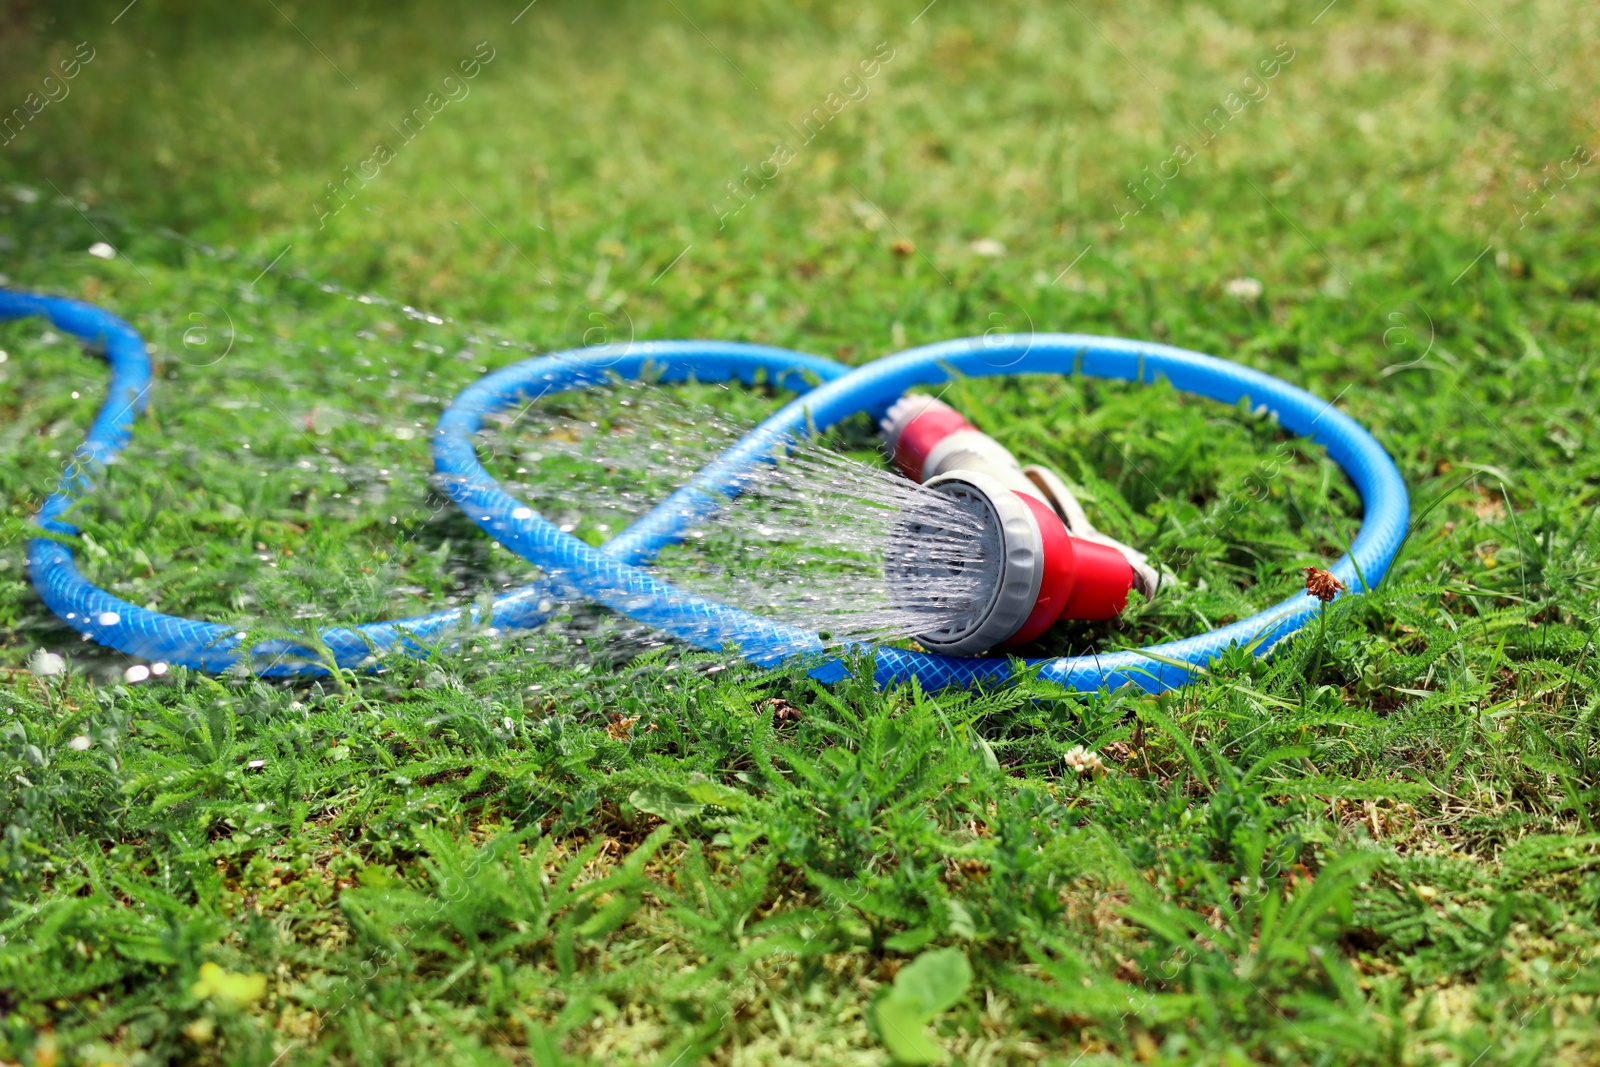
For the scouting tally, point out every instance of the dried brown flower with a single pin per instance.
(965, 870)
(1119, 751)
(783, 712)
(1322, 585)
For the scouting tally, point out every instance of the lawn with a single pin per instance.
(1377, 846)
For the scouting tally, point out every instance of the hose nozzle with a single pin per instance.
(1037, 554)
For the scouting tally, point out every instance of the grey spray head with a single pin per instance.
(978, 586)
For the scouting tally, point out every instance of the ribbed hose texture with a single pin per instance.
(613, 574)
(215, 648)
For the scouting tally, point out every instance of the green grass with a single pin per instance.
(1378, 847)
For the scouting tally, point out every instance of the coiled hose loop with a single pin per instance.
(614, 574)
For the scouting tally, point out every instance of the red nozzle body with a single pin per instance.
(1068, 577)
(933, 423)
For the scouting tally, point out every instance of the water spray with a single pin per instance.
(616, 574)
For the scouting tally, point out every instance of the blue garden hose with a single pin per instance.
(614, 574)
(213, 647)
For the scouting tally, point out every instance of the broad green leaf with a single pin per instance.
(703, 790)
(910, 940)
(376, 876)
(664, 802)
(935, 981)
(903, 1027)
